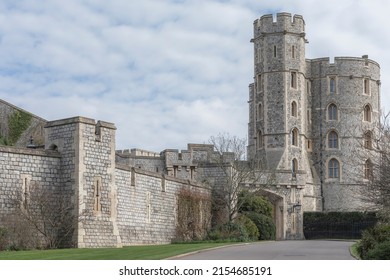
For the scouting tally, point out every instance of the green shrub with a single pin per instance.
(264, 224)
(18, 122)
(373, 237)
(379, 252)
(254, 203)
(250, 227)
(229, 232)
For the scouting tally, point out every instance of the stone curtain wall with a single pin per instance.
(147, 205)
(19, 165)
(112, 206)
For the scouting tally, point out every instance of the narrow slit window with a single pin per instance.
(294, 79)
(367, 86)
(332, 85)
(294, 109)
(97, 195)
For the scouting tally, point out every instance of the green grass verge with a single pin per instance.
(151, 252)
(354, 251)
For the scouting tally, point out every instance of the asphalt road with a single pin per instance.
(278, 250)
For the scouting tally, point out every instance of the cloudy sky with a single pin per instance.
(166, 72)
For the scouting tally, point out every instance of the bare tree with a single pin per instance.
(370, 159)
(45, 215)
(377, 168)
(228, 174)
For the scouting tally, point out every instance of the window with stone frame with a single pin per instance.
(293, 51)
(368, 140)
(294, 109)
(260, 83)
(366, 86)
(148, 206)
(294, 137)
(367, 113)
(294, 167)
(260, 112)
(293, 79)
(332, 112)
(333, 140)
(368, 170)
(26, 179)
(275, 51)
(260, 140)
(97, 205)
(309, 145)
(332, 85)
(333, 168)
(308, 88)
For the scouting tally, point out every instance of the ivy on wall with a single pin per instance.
(3, 141)
(193, 215)
(18, 122)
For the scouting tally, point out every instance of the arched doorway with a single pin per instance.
(277, 202)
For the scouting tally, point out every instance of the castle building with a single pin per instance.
(309, 119)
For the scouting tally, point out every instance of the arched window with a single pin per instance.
(332, 112)
(260, 140)
(368, 170)
(294, 137)
(333, 140)
(332, 85)
(294, 109)
(294, 167)
(368, 140)
(333, 168)
(367, 113)
(293, 79)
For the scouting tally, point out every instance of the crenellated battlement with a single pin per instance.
(284, 22)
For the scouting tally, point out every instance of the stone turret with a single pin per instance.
(87, 151)
(278, 122)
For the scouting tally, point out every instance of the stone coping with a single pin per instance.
(158, 175)
(32, 152)
(79, 119)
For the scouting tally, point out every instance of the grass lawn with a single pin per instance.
(151, 252)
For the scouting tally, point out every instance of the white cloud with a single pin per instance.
(165, 72)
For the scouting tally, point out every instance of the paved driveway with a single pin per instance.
(278, 250)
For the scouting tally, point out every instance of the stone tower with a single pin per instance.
(311, 122)
(345, 112)
(278, 124)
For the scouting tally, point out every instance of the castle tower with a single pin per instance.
(278, 124)
(312, 123)
(345, 106)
